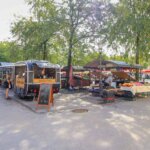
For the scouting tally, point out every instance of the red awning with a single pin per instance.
(146, 71)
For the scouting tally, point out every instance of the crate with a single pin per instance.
(108, 96)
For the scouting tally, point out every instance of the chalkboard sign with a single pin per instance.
(45, 95)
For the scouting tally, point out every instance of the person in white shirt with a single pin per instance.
(143, 77)
(108, 80)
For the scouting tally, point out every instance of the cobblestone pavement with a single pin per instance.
(123, 125)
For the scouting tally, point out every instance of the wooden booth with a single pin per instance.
(80, 77)
(121, 71)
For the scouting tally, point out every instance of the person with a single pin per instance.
(108, 80)
(143, 77)
(42, 74)
(8, 86)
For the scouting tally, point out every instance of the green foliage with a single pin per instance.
(37, 33)
(130, 28)
(74, 31)
(56, 32)
(10, 52)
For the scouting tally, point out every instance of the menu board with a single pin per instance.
(44, 94)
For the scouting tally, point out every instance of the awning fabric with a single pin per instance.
(47, 65)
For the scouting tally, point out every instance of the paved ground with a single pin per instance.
(123, 125)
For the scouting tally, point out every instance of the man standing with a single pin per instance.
(108, 80)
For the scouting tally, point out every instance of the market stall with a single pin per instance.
(120, 77)
(146, 75)
(79, 77)
(136, 88)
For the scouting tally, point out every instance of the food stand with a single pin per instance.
(146, 73)
(28, 75)
(123, 77)
(80, 77)
(136, 88)
(117, 68)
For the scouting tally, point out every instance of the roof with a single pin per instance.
(122, 75)
(118, 63)
(39, 63)
(75, 68)
(146, 70)
(136, 66)
(6, 64)
(95, 64)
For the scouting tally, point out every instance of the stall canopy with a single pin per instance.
(75, 68)
(46, 65)
(6, 64)
(39, 63)
(146, 71)
(123, 75)
(109, 64)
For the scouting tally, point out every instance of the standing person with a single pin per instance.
(143, 77)
(8, 86)
(42, 75)
(108, 80)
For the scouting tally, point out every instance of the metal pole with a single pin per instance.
(100, 73)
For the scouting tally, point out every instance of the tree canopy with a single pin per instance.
(75, 31)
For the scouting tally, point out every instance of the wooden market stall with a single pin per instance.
(80, 77)
(123, 76)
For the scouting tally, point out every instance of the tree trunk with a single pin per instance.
(137, 55)
(69, 59)
(44, 50)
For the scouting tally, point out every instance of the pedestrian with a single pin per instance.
(8, 86)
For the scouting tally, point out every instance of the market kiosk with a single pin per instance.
(136, 88)
(123, 74)
(80, 77)
(31, 73)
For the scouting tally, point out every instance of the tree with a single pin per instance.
(130, 28)
(36, 33)
(7, 51)
(81, 25)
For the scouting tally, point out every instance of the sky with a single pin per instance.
(9, 8)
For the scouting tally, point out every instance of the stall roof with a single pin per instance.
(93, 64)
(6, 64)
(146, 70)
(123, 75)
(117, 63)
(136, 66)
(39, 63)
(75, 68)
(108, 64)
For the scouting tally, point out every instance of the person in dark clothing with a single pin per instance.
(8, 86)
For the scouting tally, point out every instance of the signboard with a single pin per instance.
(20, 82)
(45, 97)
(36, 80)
